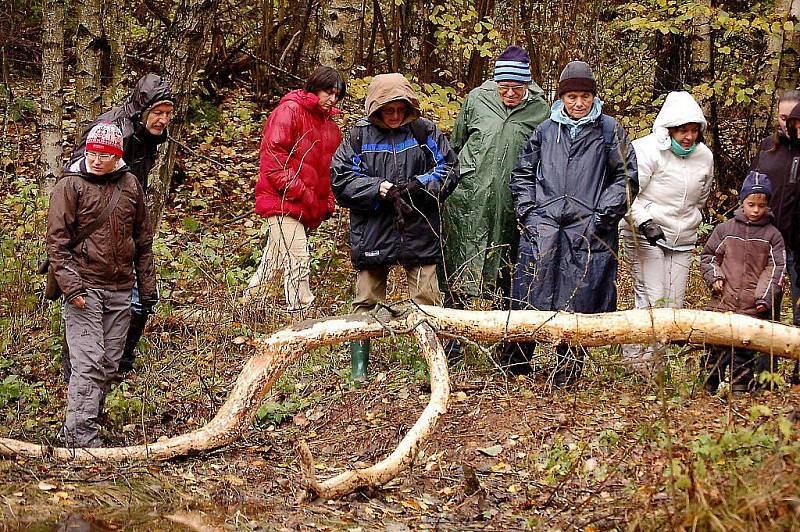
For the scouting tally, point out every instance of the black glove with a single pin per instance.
(149, 304)
(651, 232)
(602, 224)
(401, 208)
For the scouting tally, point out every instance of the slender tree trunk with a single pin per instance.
(670, 73)
(52, 98)
(337, 43)
(115, 28)
(477, 64)
(265, 45)
(88, 38)
(184, 49)
(387, 43)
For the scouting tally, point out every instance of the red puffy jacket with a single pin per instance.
(296, 150)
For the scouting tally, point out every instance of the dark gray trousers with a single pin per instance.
(96, 337)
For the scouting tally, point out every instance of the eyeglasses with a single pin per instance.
(105, 157)
(516, 89)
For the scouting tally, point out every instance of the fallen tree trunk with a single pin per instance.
(286, 346)
(402, 457)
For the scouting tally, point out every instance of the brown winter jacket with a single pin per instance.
(750, 258)
(105, 259)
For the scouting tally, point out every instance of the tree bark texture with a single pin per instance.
(52, 95)
(286, 346)
(115, 28)
(88, 52)
(187, 34)
(337, 46)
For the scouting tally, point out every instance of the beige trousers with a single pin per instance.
(287, 249)
(423, 287)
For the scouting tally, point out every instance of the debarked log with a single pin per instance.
(286, 346)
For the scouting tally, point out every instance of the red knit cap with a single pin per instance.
(105, 137)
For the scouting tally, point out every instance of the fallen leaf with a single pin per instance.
(494, 450)
(45, 486)
(300, 420)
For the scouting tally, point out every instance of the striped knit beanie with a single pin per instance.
(105, 137)
(514, 64)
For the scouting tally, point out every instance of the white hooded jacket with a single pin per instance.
(672, 189)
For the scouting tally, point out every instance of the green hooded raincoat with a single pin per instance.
(479, 216)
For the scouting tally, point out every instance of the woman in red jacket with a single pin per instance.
(294, 189)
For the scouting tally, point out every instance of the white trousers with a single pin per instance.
(659, 281)
(286, 249)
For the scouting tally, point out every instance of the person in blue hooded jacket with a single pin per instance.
(574, 181)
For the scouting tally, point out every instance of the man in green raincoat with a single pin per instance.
(479, 223)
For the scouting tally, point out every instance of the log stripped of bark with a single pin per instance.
(286, 346)
(402, 457)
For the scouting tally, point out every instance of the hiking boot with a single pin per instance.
(454, 352)
(739, 389)
(359, 359)
(569, 365)
(515, 357)
(566, 376)
(711, 383)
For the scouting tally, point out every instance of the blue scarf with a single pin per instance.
(680, 151)
(559, 115)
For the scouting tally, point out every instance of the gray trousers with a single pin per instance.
(96, 338)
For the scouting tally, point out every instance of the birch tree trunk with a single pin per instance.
(115, 27)
(52, 97)
(88, 47)
(337, 46)
(184, 49)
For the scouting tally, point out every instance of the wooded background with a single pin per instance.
(735, 57)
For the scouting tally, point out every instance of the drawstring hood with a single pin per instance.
(679, 108)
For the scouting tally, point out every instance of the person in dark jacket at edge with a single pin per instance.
(743, 263)
(574, 180)
(97, 276)
(480, 236)
(779, 158)
(393, 173)
(143, 117)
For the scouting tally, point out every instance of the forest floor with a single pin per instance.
(614, 452)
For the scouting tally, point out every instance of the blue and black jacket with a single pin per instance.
(396, 156)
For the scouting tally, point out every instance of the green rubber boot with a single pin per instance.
(359, 359)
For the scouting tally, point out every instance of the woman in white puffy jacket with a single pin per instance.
(676, 171)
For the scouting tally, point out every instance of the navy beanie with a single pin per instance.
(755, 183)
(514, 64)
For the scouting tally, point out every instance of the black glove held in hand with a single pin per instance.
(401, 208)
(602, 224)
(149, 304)
(651, 232)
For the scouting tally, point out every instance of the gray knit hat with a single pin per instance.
(577, 76)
